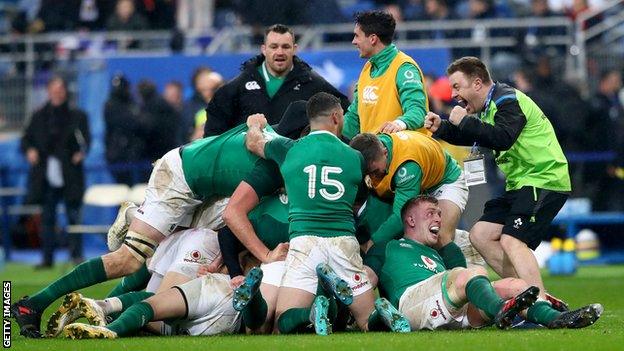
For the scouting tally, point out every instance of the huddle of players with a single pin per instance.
(323, 270)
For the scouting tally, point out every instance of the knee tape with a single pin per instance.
(140, 246)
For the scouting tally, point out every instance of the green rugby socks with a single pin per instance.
(254, 314)
(480, 293)
(542, 313)
(132, 319)
(133, 282)
(83, 275)
(293, 320)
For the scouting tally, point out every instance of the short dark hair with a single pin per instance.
(280, 29)
(415, 201)
(369, 146)
(470, 66)
(175, 83)
(380, 23)
(198, 72)
(321, 104)
(57, 78)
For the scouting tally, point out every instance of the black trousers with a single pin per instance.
(51, 198)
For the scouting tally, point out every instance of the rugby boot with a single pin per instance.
(391, 316)
(86, 331)
(246, 291)
(557, 304)
(118, 230)
(28, 319)
(75, 306)
(333, 284)
(319, 315)
(66, 313)
(581, 318)
(504, 318)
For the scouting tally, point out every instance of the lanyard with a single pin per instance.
(486, 107)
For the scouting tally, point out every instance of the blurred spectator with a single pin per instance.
(207, 85)
(531, 41)
(173, 94)
(55, 16)
(322, 12)
(55, 143)
(605, 132)
(440, 96)
(477, 10)
(199, 82)
(257, 13)
(161, 121)
(438, 10)
(125, 134)
(126, 18)
(92, 14)
(413, 9)
(160, 14)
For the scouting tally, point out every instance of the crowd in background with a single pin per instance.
(37, 16)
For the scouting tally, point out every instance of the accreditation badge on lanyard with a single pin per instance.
(474, 164)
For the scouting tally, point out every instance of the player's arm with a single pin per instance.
(263, 180)
(255, 139)
(406, 183)
(410, 86)
(230, 248)
(351, 118)
(509, 121)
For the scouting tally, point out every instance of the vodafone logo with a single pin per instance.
(252, 85)
(431, 265)
(369, 94)
(434, 313)
(357, 278)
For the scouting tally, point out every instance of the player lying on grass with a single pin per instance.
(431, 297)
(201, 172)
(201, 306)
(322, 177)
(176, 261)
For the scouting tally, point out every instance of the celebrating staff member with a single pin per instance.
(526, 149)
(390, 94)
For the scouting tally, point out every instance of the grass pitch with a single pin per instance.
(604, 284)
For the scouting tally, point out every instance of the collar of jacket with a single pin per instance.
(384, 57)
(301, 70)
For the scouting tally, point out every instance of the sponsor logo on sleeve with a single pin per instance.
(403, 175)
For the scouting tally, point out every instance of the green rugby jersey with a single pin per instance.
(214, 166)
(536, 158)
(322, 176)
(408, 263)
(270, 220)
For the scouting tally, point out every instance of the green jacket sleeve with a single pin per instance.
(351, 118)
(407, 185)
(412, 95)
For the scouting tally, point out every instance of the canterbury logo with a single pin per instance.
(252, 85)
(369, 94)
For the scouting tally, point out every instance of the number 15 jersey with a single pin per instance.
(322, 176)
